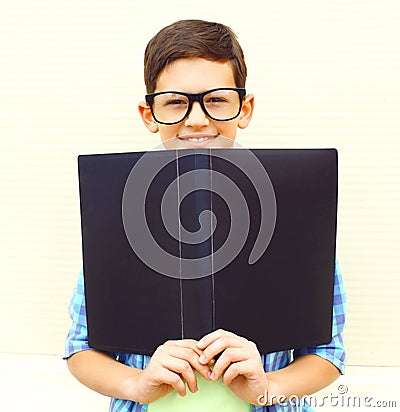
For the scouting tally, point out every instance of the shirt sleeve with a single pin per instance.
(333, 351)
(77, 338)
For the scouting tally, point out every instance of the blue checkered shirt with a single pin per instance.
(334, 352)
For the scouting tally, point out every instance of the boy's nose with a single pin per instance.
(196, 117)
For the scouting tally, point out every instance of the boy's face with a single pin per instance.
(197, 75)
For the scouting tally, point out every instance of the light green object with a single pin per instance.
(212, 396)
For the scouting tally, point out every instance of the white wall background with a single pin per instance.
(325, 74)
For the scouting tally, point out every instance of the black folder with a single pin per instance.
(280, 299)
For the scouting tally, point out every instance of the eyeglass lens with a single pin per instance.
(218, 104)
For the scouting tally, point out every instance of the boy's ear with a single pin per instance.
(247, 111)
(147, 117)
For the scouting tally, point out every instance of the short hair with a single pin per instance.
(193, 38)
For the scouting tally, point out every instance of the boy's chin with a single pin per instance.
(197, 141)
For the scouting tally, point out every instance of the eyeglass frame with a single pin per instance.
(196, 97)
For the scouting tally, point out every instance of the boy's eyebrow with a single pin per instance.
(195, 93)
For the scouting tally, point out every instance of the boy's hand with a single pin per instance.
(239, 364)
(171, 365)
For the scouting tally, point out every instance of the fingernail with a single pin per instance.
(211, 375)
(200, 343)
(202, 359)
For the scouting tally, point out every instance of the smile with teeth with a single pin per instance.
(198, 138)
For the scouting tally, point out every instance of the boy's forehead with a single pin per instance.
(194, 75)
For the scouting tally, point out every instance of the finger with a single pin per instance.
(228, 357)
(187, 373)
(165, 376)
(184, 358)
(193, 360)
(237, 369)
(181, 342)
(180, 368)
(191, 357)
(219, 345)
(178, 349)
(212, 352)
(184, 343)
(211, 337)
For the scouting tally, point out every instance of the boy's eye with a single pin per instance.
(216, 100)
(175, 102)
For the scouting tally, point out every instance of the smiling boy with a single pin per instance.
(195, 77)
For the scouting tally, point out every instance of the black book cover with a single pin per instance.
(179, 243)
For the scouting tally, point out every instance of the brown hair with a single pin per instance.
(193, 38)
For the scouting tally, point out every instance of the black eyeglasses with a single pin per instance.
(172, 107)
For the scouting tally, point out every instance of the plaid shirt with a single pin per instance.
(334, 351)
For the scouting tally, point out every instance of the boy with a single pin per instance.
(204, 62)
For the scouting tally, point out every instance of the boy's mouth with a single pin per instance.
(199, 141)
(197, 138)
